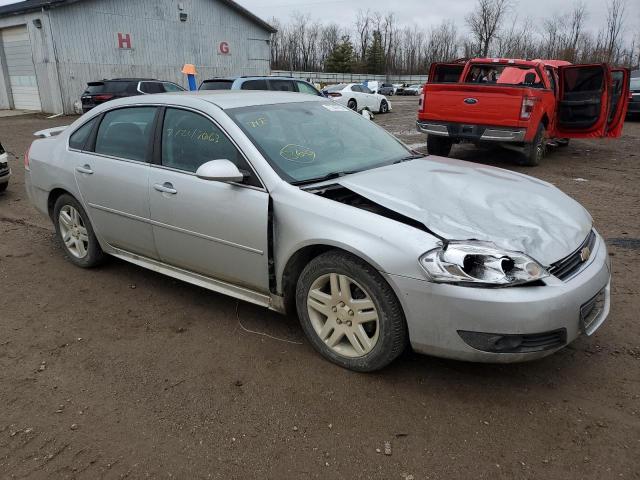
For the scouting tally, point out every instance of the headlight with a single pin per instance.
(480, 263)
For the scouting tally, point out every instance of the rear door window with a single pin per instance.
(151, 87)
(78, 139)
(356, 88)
(255, 85)
(126, 133)
(282, 85)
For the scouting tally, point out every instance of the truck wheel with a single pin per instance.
(562, 142)
(440, 146)
(534, 152)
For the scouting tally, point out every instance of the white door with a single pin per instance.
(22, 73)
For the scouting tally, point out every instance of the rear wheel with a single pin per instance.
(440, 146)
(384, 106)
(562, 142)
(353, 105)
(349, 312)
(535, 151)
(75, 233)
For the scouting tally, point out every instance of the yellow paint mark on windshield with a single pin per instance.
(298, 153)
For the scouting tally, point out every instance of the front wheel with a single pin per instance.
(349, 312)
(353, 105)
(535, 151)
(75, 233)
(440, 146)
(384, 107)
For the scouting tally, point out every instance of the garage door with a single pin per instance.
(22, 73)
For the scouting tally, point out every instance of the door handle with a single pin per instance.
(85, 169)
(166, 187)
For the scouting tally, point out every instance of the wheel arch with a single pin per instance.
(53, 197)
(301, 257)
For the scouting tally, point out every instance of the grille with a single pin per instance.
(566, 267)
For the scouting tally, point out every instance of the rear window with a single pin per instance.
(282, 85)
(107, 87)
(216, 85)
(336, 88)
(79, 138)
(507, 75)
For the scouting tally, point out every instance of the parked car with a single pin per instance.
(386, 89)
(5, 171)
(633, 109)
(278, 84)
(105, 90)
(412, 90)
(358, 97)
(521, 103)
(298, 204)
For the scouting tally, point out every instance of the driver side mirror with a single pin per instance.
(219, 171)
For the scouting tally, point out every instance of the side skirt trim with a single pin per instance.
(212, 284)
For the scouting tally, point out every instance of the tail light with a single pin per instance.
(103, 98)
(26, 158)
(421, 101)
(334, 94)
(528, 104)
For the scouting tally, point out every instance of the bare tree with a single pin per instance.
(615, 25)
(485, 23)
(363, 25)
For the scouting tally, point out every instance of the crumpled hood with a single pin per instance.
(462, 201)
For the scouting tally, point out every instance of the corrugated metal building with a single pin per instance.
(50, 49)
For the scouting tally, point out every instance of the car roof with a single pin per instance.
(224, 99)
(231, 79)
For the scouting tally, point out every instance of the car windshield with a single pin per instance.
(313, 141)
(336, 88)
(635, 83)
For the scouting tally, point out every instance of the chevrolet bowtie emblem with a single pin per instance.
(585, 253)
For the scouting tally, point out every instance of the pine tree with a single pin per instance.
(375, 54)
(341, 58)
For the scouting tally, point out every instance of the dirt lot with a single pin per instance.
(120, 372)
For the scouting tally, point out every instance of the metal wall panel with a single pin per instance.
(87, 46)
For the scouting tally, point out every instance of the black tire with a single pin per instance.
(562, 142)
(392, 330)
(3, 186)
(440, 146)
(384, 107)
(535, 151)
(353, 105)
(94, 254)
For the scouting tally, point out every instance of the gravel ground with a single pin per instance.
(119, 372)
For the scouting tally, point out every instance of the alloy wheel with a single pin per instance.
(73, 232)
(343, 315)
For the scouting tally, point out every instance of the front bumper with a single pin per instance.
(436, 313)
(474, 133)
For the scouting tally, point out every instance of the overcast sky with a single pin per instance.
(427, 12)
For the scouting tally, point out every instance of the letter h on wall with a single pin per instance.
(124, 41)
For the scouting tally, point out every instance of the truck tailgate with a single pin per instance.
(464, 103)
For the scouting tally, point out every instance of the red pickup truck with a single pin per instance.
(521, 104)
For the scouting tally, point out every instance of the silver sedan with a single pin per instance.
(301, 205)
